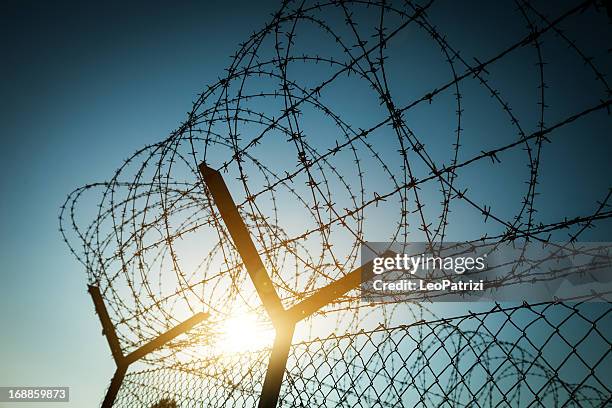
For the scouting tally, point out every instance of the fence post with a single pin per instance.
(276, 366)
(113, 389)
(284, 320)
(123, 362)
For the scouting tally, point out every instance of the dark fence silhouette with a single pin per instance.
(343, 122)
(460, 361)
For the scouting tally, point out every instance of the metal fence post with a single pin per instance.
(284, 320)
(123, 361)
(276, 367)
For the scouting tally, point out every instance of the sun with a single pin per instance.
(244, 332)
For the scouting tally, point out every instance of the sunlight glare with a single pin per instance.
(244, 333)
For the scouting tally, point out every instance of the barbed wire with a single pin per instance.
(324, 141)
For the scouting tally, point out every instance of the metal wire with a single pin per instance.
(315, 133)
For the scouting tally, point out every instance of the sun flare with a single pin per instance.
(244, 332)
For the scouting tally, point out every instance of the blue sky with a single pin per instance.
(83, 86)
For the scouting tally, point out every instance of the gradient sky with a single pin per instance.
(82, 87)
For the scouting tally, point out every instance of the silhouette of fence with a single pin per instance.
(317, 139)
(461, 361)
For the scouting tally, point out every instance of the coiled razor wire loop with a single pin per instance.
(326, 141)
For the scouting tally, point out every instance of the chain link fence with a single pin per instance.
(543, 355)
(339, 123)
